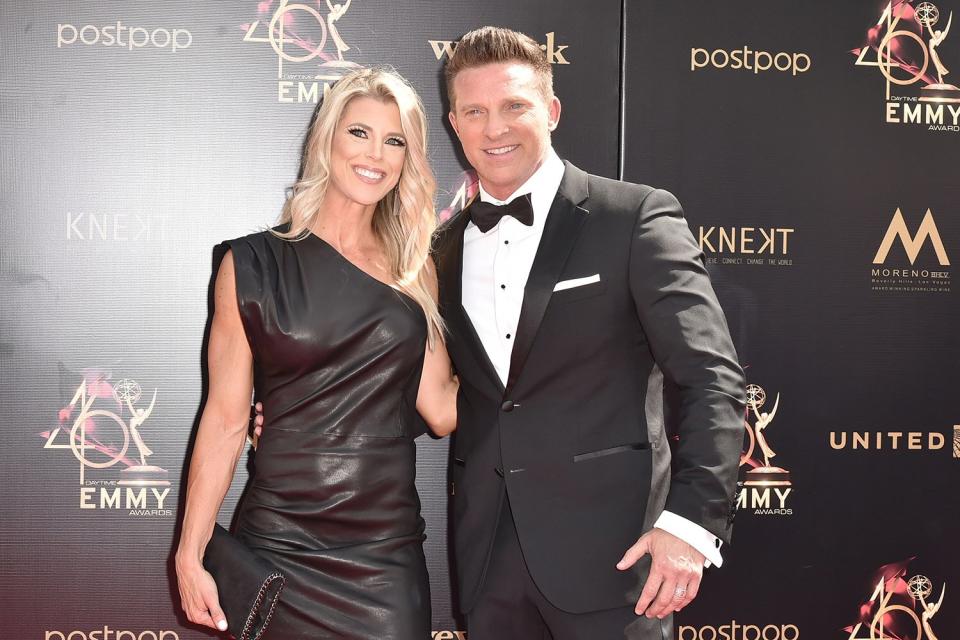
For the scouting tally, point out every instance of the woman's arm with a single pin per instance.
(437, 396)
(220, 441)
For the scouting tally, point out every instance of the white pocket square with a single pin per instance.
(577, 282)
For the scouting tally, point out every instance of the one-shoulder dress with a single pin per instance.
(337, 361)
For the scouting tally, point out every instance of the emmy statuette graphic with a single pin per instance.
(928, 15)
(141, 475)
(765, 475)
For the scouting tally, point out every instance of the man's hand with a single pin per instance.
(257, 424)
(676, 569)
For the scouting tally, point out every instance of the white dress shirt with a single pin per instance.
(496, 265)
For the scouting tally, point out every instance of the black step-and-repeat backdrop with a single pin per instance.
(817, 159)
(814, 146)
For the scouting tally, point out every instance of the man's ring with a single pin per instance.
(679, 593)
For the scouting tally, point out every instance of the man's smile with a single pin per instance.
(499, 151)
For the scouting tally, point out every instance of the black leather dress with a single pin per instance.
(337, 363)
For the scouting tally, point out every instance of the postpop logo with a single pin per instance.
(123, 36)
(749, 60)
(106, 633)
(738, 631)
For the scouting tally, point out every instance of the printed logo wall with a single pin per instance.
(811, 145)
(791, 133)
(156, 132)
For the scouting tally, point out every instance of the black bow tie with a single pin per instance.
(486, 215)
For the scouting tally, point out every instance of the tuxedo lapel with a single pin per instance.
(451, 298)
(560, 234)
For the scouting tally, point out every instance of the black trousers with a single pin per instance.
(511, 607)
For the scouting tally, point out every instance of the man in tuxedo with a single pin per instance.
(569, 298)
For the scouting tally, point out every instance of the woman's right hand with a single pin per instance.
(199, 598)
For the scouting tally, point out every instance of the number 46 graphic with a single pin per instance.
(920, 587)
(896, 40)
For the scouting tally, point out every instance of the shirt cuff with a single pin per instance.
(694, 535)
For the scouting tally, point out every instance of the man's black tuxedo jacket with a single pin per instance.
(576, 438)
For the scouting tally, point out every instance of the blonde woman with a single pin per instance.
(332, 317)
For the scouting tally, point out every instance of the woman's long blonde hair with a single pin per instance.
(405, 219)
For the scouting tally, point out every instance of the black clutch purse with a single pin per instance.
(249, 586)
